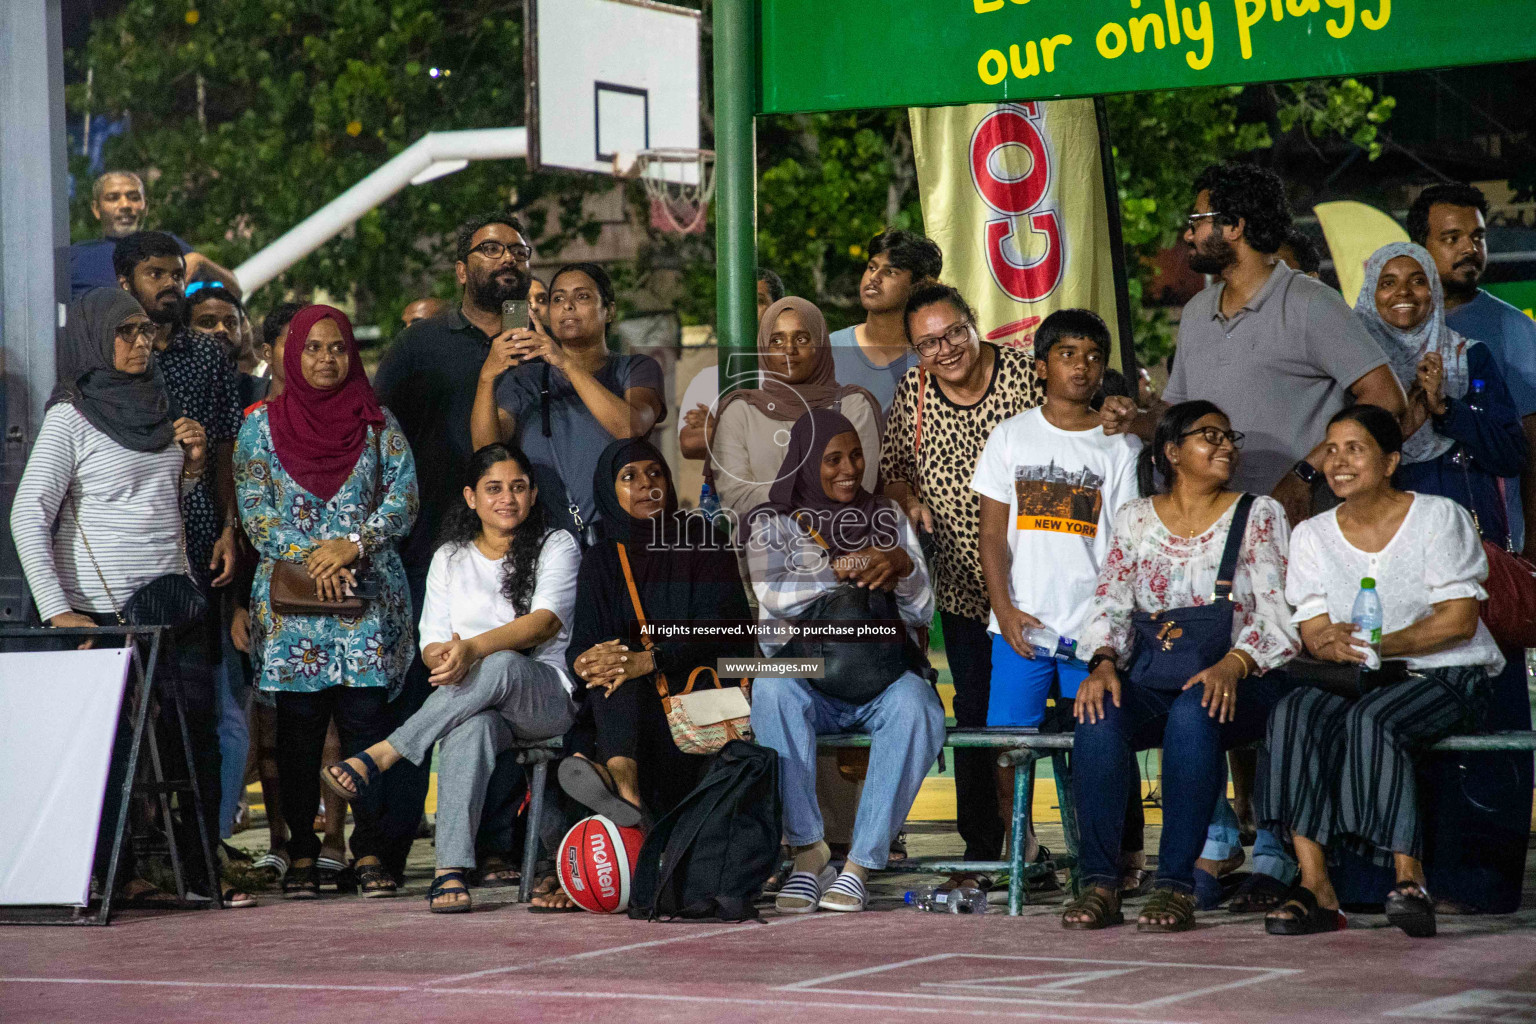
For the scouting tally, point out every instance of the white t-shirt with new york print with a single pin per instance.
(1062, 489)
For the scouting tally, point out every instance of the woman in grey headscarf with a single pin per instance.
(1462, 432)
(98, 510)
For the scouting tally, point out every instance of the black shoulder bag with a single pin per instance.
(172, 600)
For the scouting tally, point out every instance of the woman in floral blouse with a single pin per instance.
(325, 478)
(1164, 555)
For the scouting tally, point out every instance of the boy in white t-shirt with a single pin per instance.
(1050, 482)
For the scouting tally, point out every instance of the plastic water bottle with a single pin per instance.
(1050, 644)
(1366, 615)
(964, 900)
(709, 502)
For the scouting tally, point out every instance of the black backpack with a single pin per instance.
(709, 857)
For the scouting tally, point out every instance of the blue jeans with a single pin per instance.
(906, 726)
(1020, 685)
(1194, 772)
(234, 688)
(1223, 839)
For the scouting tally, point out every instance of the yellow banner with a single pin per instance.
(1014, 195)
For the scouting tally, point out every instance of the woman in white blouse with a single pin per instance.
(1164, 556)
(1341, 772)
(501, 593)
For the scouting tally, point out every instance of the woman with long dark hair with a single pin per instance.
(500, 597)
(1164, 562)
(1342, 772)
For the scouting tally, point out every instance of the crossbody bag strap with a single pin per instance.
(634, 599)
(1227, 571)
(74, 511)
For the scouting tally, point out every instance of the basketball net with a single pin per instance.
(680, 184)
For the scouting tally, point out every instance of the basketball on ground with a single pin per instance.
(596, 861)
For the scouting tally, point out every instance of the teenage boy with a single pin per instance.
(1050, 482)
(875, 355)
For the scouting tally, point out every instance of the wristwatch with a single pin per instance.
(1308, 472)
(357, 538)
(1097, 660)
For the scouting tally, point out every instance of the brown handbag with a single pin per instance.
(295, 592)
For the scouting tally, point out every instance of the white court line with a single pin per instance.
(786, 1004)
(575, 957)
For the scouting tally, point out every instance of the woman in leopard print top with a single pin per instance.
(944, 410)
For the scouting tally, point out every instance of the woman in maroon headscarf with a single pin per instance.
(325, 479)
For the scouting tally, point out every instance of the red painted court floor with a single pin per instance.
(345, 960)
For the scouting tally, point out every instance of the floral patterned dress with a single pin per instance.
(1149, 569)
(305, 653)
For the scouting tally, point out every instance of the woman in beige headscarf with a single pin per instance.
(752, 431)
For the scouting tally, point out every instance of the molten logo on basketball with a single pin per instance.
(596, 861)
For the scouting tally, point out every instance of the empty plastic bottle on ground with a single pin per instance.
(964, 900)
(1366, 615)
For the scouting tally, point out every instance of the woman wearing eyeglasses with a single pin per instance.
(1164, 559)
(752, 429)
(945, 409)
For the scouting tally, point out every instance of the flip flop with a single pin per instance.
(230, 902)
(589, 787)
(572, 909)
(846, 885)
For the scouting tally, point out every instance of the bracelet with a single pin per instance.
(1242, 662)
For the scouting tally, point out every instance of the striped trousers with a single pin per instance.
(1341, 771)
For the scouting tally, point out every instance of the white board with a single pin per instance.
(607, 77)
(58, 718)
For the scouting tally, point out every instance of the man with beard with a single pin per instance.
(1279, 352)
(202, 380)
(1448, 220)
(427, 379)
(118, 202)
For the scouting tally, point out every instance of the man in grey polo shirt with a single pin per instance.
(1279, 352)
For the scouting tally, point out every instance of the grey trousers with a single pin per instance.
(504, 699)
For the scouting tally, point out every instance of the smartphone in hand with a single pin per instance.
(514, 315)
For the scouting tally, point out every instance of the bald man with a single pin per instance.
(119, 203)
(421, 309)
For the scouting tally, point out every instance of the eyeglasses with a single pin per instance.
(1213, 436)
(131, 333)
(955, 337)
(494, 250)
(1193, 220)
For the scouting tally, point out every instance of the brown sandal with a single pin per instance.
(1180, 906)
(1094, 902)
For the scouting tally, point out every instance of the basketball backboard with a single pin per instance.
(609, 77)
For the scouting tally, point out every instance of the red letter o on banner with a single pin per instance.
(1010, 125)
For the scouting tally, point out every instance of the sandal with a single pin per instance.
(802, 891)
(494, 873)
(1047, 882)
(234, 899)
(301, 882)
(1094, 902)
(1303, 915)
(439, 890)
(1171, 903)
(1259, 894)
(374, 881)
(273, 864)
(333, 784)
(587, 785)
(146, 896)
(847, 885)
(1410, 908)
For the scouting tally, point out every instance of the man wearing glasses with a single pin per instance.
(427, 379)
(1279, 351)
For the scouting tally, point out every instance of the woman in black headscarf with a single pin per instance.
(98, 511)
(683, 572)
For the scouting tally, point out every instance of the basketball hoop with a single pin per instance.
(680, 184)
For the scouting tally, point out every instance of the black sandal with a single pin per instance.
(359, 782)
(301, 883)
(437, 891)
(1410, 908)
(593, 789)
(374, 881)
(1305, 916)
(494, 864)
(1095, 903)
(1047, 882)
(1259, 894)
(1165, 902)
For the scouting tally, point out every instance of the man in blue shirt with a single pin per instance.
(118, 202)
(875, 355)
(1448, 220)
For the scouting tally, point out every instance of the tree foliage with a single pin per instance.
(249, 115)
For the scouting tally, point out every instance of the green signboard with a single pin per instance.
(1520, 294)
(849, 54)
